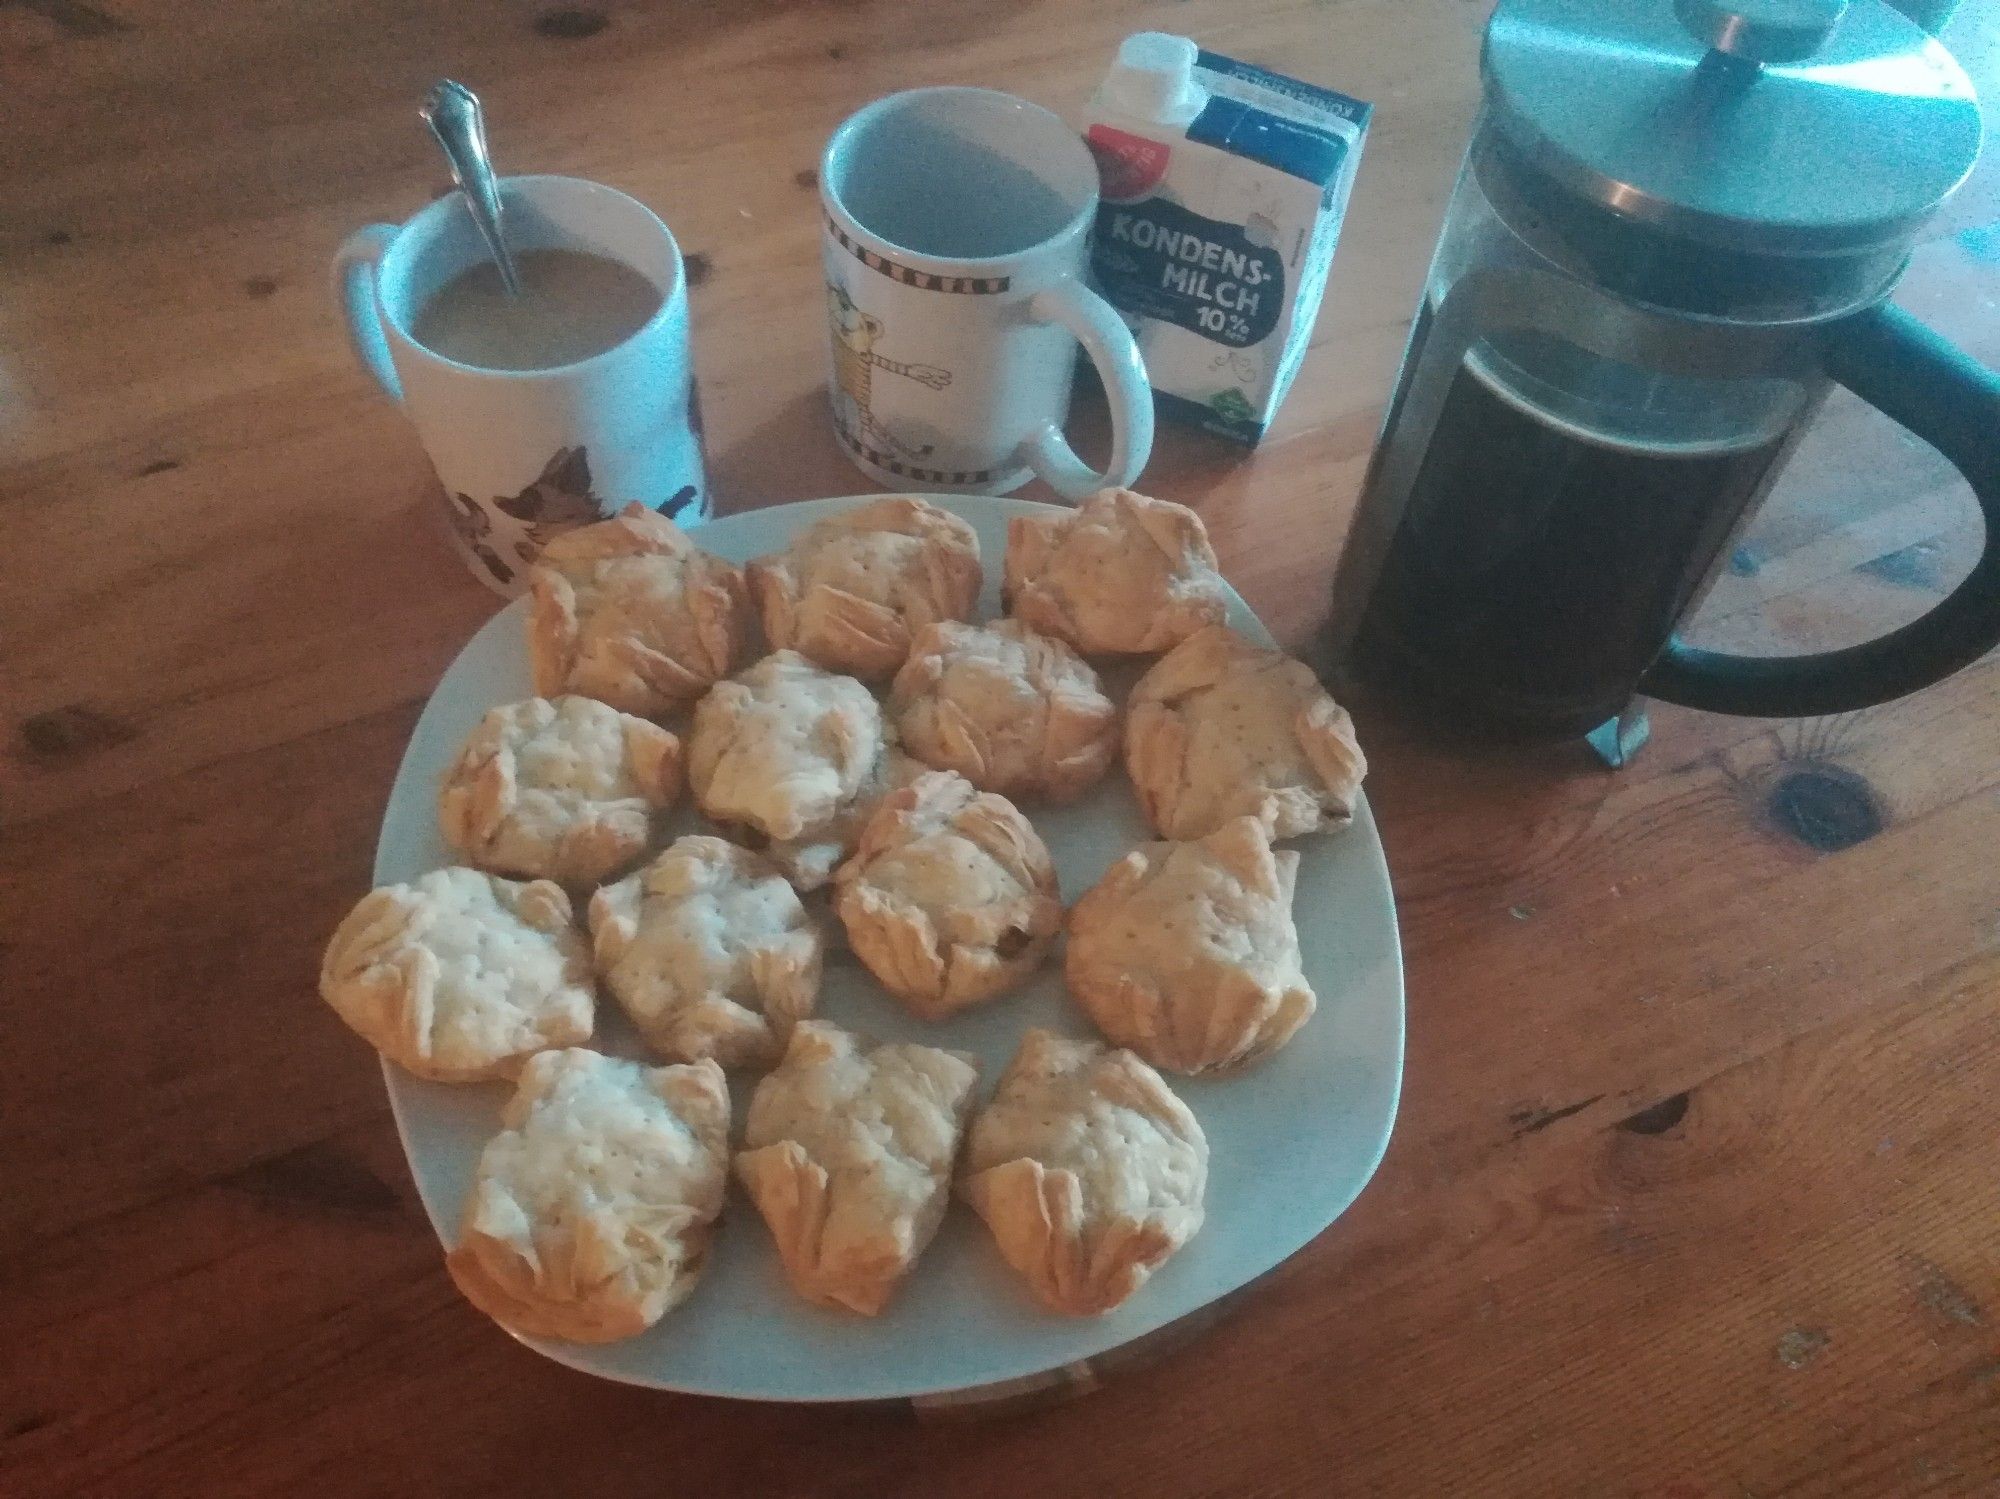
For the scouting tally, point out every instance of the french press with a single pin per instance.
(1677, 226)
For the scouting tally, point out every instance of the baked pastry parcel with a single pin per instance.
(1011, 710)
(1187, 952)
(709, 951)
(848, 1153)
(591, 1211)
(459, 976)
(852, 591)
(631, 612)
(795, 755)
(562, 789)
(1221, 728)
(1088, 1170)
(951, 896)
(1121, 574)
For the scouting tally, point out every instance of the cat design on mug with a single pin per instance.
(854, 363)
(475, 530)
(560, 499)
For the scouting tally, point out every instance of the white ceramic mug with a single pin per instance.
(525, 454)
(957, 227)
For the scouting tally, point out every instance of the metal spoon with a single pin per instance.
(452, 111)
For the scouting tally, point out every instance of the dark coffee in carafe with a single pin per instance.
(1539, 565)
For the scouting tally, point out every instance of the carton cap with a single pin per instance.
(1153, 78)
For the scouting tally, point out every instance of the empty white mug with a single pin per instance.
(525, 454)
(957, 227)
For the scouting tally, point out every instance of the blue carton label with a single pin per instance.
(1297, 150)
(1157, 259)
(1321, 101)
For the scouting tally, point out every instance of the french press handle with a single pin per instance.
(1947, 398)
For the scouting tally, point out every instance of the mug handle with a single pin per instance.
(354, 289)
(1109, 343)
(1950, 400)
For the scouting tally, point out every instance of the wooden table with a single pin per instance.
(1695, 1191)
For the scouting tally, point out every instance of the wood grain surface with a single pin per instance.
(1694, 1193)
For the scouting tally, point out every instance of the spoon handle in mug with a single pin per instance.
(453, 113)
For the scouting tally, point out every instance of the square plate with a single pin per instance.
(1293, 1139)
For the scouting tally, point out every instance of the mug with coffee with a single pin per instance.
(957, 236)
(545, 410)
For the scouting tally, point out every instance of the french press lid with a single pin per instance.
(1773, 127)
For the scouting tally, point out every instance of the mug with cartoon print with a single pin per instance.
(525, 453)
(956, 240)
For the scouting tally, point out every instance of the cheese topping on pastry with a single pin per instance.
(591, 1211)
(459, 976)
(796, 754)
(709, 951)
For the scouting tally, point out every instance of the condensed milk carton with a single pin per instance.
(1224, 186)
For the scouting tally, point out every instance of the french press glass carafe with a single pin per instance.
(1676, 227)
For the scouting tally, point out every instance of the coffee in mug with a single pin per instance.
(571, 306)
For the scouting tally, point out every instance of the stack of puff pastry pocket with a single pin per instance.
(592, 1209)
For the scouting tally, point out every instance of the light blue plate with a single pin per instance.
(1293, 1140)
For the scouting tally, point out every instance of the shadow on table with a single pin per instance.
(795, 456)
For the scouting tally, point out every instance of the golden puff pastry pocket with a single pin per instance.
(1122, 574)
(795, 755)
(632, 613)
(950, 898)
(1088, 1170)
(848, 1154)
(460, 976)
(591, 1211)
(1011, 710)
(852, 591)
(1221, 728)
(1187, 952)
(709, 951)
(563, 789)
